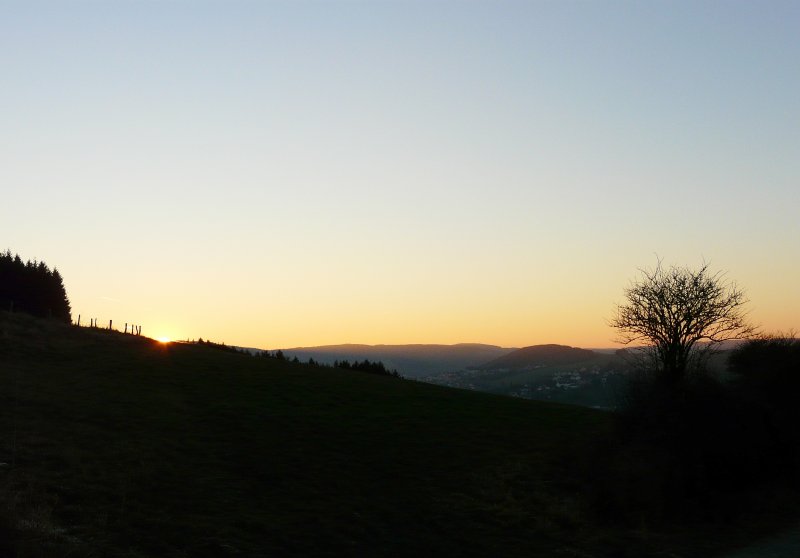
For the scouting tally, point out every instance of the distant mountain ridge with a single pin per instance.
(412, 360)
(538, 355)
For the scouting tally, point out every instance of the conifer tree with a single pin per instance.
(32, 288)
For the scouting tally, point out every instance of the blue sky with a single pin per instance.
(294, 173)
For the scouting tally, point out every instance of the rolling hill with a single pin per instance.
(119, 445)
(116, 445)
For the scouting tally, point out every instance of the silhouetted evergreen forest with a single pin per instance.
(376, 367)
(33, 288)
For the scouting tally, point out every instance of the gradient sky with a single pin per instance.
(277, 174)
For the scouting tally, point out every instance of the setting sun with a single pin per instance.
(164, 339)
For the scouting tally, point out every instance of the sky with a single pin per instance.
(298, 173)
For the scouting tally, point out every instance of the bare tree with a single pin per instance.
(680, 313)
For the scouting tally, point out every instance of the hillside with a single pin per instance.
(114, 445)
(121, 445)
(412, 361)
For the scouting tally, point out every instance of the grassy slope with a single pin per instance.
(121, 446)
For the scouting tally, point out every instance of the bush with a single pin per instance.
(767, 375)
(681, 453)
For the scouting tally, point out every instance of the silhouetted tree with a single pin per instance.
(680, 314)
(32, 288)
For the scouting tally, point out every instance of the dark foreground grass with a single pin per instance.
(115, 445)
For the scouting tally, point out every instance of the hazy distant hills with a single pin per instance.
(412, 361)
(538, 356)
(425, 361)
(546, 372)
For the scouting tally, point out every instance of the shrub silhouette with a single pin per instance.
(698, 451)
(767, 374)
(662, 467)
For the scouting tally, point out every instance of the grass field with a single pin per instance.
(114, 445)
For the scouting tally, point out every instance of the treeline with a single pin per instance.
(376, 367)
(365, 365)
(33, 288)
(368, 366)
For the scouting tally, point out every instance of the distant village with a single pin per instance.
(593, 385)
